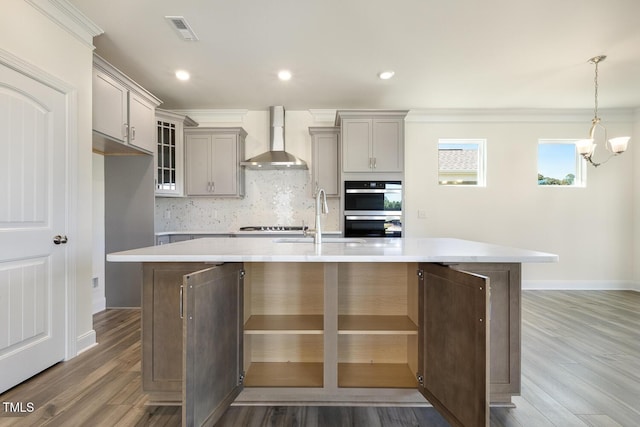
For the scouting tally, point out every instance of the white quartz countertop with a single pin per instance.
(239, 233)
(231, 249)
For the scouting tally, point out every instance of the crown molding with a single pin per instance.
(550, 115)
(215, 116)
(70, 18)
(323, 114)
(99, 63)
(171, 115)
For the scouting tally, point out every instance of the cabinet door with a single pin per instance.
(453, 344)
(168, 159)
(163, 240)
(505, 327)
(325, 163)
(142, 128)
(212, 341)
(198, 155)
(109, 107)
(224, 165)
(387, 145)
(162, 330)
(356, 145)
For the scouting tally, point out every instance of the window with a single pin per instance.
(461, 162)
(559, 164)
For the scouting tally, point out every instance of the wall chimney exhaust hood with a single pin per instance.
(276, 157)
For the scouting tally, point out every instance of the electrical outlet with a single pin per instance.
(422, 214)
(167, 214)
(94, 282)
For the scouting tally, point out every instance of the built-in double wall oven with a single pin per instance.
(373, 209)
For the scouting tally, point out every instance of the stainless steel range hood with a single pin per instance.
(276, 157)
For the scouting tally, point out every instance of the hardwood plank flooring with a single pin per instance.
(580, 367)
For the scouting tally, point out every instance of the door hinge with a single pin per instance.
(420, 379)
(241, 378)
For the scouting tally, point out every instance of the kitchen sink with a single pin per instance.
(324, 240)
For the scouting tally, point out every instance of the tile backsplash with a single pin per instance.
(272, 197)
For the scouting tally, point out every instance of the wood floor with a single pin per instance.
(581, 367)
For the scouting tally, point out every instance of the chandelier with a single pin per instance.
(597, 132)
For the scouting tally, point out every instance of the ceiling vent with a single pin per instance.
(182, 27)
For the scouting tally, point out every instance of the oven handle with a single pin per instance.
(372, 191)
(386, 214)
(371, 217)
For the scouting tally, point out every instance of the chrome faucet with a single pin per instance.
(321, 208)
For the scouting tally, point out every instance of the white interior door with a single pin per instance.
(33, 201)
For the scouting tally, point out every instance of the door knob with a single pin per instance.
(60, 239)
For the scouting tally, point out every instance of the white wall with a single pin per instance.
(98, 215)
(589, 228)
(31, 36)
(635, 150)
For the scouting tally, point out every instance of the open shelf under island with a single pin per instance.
(389, 321)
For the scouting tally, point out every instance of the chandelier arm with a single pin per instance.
(594, 164)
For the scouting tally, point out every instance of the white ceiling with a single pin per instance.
(446, 54)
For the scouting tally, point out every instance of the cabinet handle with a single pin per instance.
(125, 130)
(181, 301)
(370, 163)
(213, 186)
(133, 133)
(375, 163)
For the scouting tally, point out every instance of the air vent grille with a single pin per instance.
(182, 27)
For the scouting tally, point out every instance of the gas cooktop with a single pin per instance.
(272, 228)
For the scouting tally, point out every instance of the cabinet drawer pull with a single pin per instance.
(181, 302)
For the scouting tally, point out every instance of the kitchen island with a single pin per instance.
(375, 321)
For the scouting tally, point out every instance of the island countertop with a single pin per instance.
(438, 250)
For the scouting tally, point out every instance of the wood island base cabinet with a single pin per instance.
(334, 333)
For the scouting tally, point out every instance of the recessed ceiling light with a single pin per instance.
(284, 75)
(386, 75)
(183, 75)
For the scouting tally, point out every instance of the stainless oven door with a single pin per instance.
(372, 226)
(387, 200)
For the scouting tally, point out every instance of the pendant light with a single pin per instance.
(598, 133)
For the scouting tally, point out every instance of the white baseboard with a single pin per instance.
(85, 341)
(581, 285)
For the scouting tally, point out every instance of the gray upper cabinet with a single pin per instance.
(123, 111)
(109, 106)
(372, 141)
(326, 159)
(213, 158)
(170, 152)
(142, 130)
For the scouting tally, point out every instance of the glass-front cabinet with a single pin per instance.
(170, 152)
